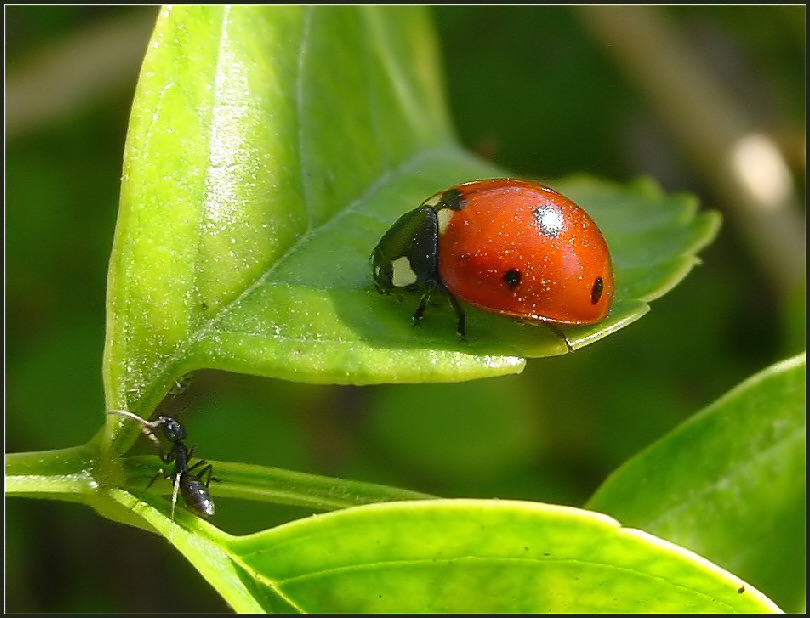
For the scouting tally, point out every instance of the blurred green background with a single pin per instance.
(532, 88)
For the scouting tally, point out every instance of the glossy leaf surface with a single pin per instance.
(730, 483)
(269, 149)
(483, 556)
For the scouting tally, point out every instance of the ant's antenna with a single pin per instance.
(146, 426)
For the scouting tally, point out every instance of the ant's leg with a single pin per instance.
(206, 471)
(202, 462)
(210, 477)
(160, 472)
(168, 458)
(208, 468)
(175, 492)
(176, 489)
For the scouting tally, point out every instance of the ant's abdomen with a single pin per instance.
(195, 493)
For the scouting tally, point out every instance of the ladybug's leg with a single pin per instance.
(461, 329)
(420, 310)
(556, 330)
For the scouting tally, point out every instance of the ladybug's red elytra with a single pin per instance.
(506, 246)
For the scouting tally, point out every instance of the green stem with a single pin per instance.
(78, 474)
(64, 474)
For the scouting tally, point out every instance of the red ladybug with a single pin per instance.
(506, 246)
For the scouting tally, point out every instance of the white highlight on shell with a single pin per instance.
(550, 220)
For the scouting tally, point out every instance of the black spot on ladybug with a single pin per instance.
(549, 219)
(596, 290)
(512, 278)
(453, 199)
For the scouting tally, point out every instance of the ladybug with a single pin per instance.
(512, 247)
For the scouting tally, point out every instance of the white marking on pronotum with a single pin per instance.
(443, 216)
(402, 274)
(433, 200)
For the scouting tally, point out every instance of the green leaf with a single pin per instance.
(193, 539)
(730, 483)
(417, 556)
(482, 556)
(269, 149)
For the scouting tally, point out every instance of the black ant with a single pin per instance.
(192, 481)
